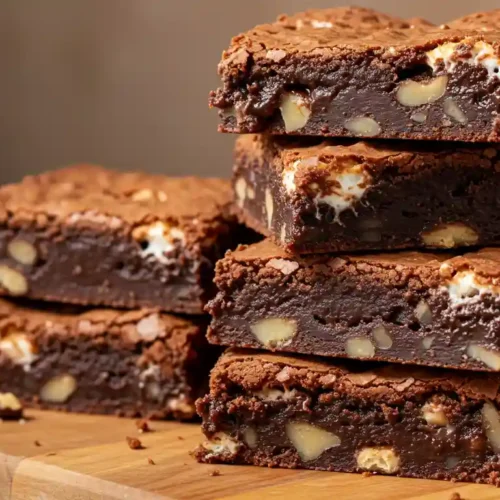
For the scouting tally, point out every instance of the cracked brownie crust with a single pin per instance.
(312, 195)
(304, 413)
(408, 307)
(137, 363)
(91, 236)
(359, 73)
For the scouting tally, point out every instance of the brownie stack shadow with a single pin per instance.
(363, 333)
(104, 277)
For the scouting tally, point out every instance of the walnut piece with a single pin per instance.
(9, 401)
(489, 357)
(18, 348)
(269, 207)
(450, 236)
(434, 414)
(23, 252)
(13, 281)
(453, 111)
(310, 441)
(221, 444)
(148, 195)
(423, 313)
(382, 337)
(274, 332)
(411, 93)
(427, 342)
(250, 437)
(363, 126)
(283, 265)
(240, 188)
(359, 347)
(295, 111)
(378, 459)
(58, 389)
(491, 425)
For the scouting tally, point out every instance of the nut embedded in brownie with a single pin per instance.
(10, 407)
(135, 364)
(313, 195)
(407, 307)
(91, 236)
(359, 73)
(296, 412)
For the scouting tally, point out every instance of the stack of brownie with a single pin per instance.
(111, 255)
(366, 259)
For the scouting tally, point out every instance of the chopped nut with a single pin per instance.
(221, 444)
(23, 252)
(274, 332)
(450, 235)
(9, 401)
(360, 347)
(143, 425)
(419, 117)
(310, 441)
(283, 233)
(453, 111)
(285, 266)
(240, 188)
(423, 313)
(58, 389)
(18, 348)
(215, 473)
(269, 207)
(150, 327)
(148, 194)
(13, 281)
(250, 193)
(489, 357)
(378, 459)
(382, 337)
(158, 240)
(434, 414)
(250, 437)
(491, 424)
(412, 93)
(427, 342)
(295, 111)
(363, 126)
(134, 443)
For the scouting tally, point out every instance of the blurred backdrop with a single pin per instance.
(125, 82)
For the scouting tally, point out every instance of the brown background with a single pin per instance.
(125, 82)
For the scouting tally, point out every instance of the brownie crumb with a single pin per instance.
(37, 443)
(215, 473)
(367, 474)
(151, 461)
(456, 496)
(180, 438)
(134, 443)
(51, 454)
(143, 425)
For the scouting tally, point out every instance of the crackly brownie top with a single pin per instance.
(132, 327)
(313, 164)
(348, 32)
(265, 262)
(254, 371)
(94, 195)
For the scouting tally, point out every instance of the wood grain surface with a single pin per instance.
(58, 456)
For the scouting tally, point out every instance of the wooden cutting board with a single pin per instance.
(83, 457)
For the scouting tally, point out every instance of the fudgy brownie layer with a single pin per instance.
(137, 363)
(355, 72)
(91, 236)
(293, 412)
(406, 307)
(313, 196)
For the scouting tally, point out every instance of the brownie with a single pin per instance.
(405, 307)
(126, 363)
(10, 407)
(92, 236)
(293, 412)
(355, 72)
(314, 195)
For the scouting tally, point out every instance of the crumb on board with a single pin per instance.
(151, 461)
(37, 443)
(180, 438)
(367, 474)
(134, 443)
(143, 425)
(456, 496)
(215, 473)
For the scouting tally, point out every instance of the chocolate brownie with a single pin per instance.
(127, 363)
(10, 407)
(358, 73)
(406, 307)
(293, 412)
(319, 196)
(92, 236)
